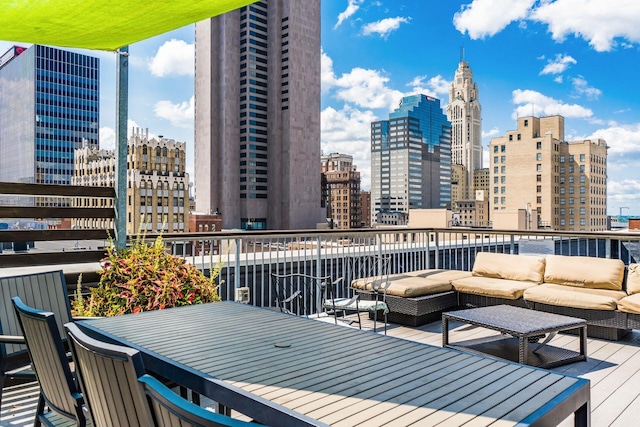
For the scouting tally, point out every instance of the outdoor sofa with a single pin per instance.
(599, 290)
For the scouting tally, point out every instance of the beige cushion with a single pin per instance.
(506, 266)
(584, 272)
(442, 275)
(630, 304)
(587, 298)
(492, 287)
(417, 286)
(633, 279)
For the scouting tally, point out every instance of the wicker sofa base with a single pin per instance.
(415, 311)
(633, 321)
(473, 300)
(609, 325)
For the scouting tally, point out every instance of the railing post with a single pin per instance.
(236, 276)
(318, 274)
(122, 103)
(512, 244)
(436, 253)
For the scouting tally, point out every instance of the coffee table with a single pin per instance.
(519, 330)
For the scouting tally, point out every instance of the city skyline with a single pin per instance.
(524, 55)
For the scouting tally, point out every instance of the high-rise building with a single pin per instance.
(342, 190)
(49, 107)
(562, 185)
(458, 182)
(481, 181)
(411, 158)
(257, 116)
(157, 184)
(464, 112)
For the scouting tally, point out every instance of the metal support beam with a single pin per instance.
(122, 106)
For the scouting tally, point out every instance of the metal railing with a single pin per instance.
(250, 258)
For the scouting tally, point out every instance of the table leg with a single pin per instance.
(583, 341)
(523, 350)
(445, 331)
(582, 417)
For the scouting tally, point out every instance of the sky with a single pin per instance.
(577, 58)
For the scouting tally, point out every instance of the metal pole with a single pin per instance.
(122, 104)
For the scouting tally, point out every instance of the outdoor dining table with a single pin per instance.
(281, 370)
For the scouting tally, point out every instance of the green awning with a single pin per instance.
(102, 24)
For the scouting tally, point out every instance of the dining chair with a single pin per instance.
(171, 410)
(58, 389)
(46, 291)
(119, 393)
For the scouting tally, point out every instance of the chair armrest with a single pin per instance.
(12, 339)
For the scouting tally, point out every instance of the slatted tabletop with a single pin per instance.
(341, 376)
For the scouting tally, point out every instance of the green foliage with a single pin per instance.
(146, 277)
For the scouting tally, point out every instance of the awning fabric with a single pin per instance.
(102, 24)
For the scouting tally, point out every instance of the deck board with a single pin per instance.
(613, 368)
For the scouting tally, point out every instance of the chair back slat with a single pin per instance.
(49, 360)
(45, 291)
(170, 410)
(108, 376)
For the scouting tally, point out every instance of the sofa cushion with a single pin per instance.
(633, 279)
(584, 272)
(416, 286)
(630, 304)
(564, 296)
(511, 267)
(442, 275)
(492, 287)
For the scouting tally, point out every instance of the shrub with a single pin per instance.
(146, 277)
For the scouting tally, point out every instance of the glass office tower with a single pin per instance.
(49, 106)
(411, 157)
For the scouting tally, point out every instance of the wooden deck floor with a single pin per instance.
(612, 367)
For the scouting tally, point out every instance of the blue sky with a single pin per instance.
(578, 58)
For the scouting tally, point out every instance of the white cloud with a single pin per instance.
(327, 76)
(491, 133)
(558, 79)
(558, 65)
(352, 8)
(625, 192)
(107, 138)
(484, 18)
(621, 139)
(367, 88)
(174, 57)
(180, 114)
(385, 26)
(597, 21)
(581, 87)
(530, 102)
(348, 131)
(436, 86)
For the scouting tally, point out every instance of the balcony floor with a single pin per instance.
(612, 366)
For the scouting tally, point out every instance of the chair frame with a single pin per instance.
(101, 366)
(58, 389)
(46, 291)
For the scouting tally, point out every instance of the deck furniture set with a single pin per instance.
(601, 291)
(277, 369)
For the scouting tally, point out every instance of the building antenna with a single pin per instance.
(461, 53)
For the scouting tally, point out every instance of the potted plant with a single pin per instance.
(145, 277)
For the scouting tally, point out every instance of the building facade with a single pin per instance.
(257, 115)
(481, 181)
(157, 184)
(49, 107)
(411, 158)
(342, 190)
(365, 208)
(562, 185)
(458, 182)
(465, 114)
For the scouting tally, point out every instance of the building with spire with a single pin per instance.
(464, 112)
